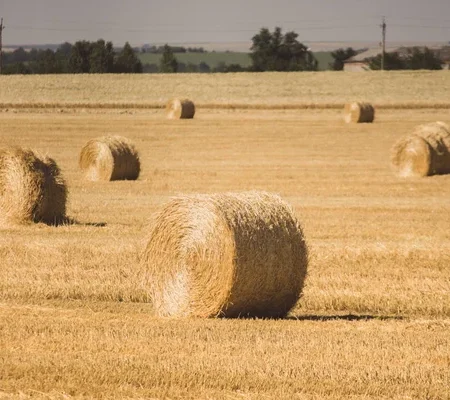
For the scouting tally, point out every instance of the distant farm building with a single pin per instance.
(360, 62)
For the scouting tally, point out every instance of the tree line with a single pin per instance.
(270, 51)
(175, 49)
(81, 57)
(413, 58)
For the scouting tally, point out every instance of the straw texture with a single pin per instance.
(230, 255)
(359, 113)
(32, 188)
(425, 152)
(180, 109)
(110, 158)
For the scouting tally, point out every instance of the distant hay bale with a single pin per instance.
(180, 109)
(359, 113)
(110, 158)
(31, 188)
(230, 255)
(424, 152)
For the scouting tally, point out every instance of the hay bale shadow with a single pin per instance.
(346, 317)
(67, 221)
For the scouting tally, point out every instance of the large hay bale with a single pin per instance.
(424, 152)
(231, 255)
(31, 188)
(359, 113)
(180, 109)
(110, 158)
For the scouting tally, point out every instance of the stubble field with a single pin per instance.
(374, 320)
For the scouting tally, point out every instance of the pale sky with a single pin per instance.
(199, 21)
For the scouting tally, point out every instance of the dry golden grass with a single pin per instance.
(75, 317)
(123, 353)
(283, 90)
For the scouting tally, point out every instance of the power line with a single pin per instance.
(31, 28)
(420, 26)
(237, 22)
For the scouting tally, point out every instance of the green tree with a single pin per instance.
(62, 54)
(203, 67)
(278, 52)
(46, 63)
(392, 61)
(79, 57)
(168, 63)
(413, 58)
(64, 50)
(341, 55)
(223, 67)
(150, 68)
(101, 59)
(16, 68)
(19, 56)
(127, 61)
(191, 67)
(422, 59)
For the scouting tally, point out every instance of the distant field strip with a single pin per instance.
(271, 89)
(222, 106)
(213, 58)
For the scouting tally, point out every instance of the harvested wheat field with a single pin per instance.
(76, 320)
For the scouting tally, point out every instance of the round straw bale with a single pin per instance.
(230, 255)
(31, 188)
(110, 158)
(424, 152)
(180, 109)
(359, 112)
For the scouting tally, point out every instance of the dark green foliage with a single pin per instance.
(341, 55)
(18, 56)
(79, 60)
(64, 50)
(392, 62)
(203, 67)
(101, 59)
(150, 68)
(47, 63)
(278, 52)
(168, 63)
(19, 68)
(82, 57)
(127, 61)
(175, 49)
(411, 59)
(422, 59)
(189, 67)
(223, 67)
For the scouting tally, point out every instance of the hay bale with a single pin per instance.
(231, 255)
(424, 152)
(110, 158)
(180, 109)
(32, 188)
(359, 113)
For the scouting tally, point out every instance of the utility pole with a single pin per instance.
(1, 55)
(383, 43)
